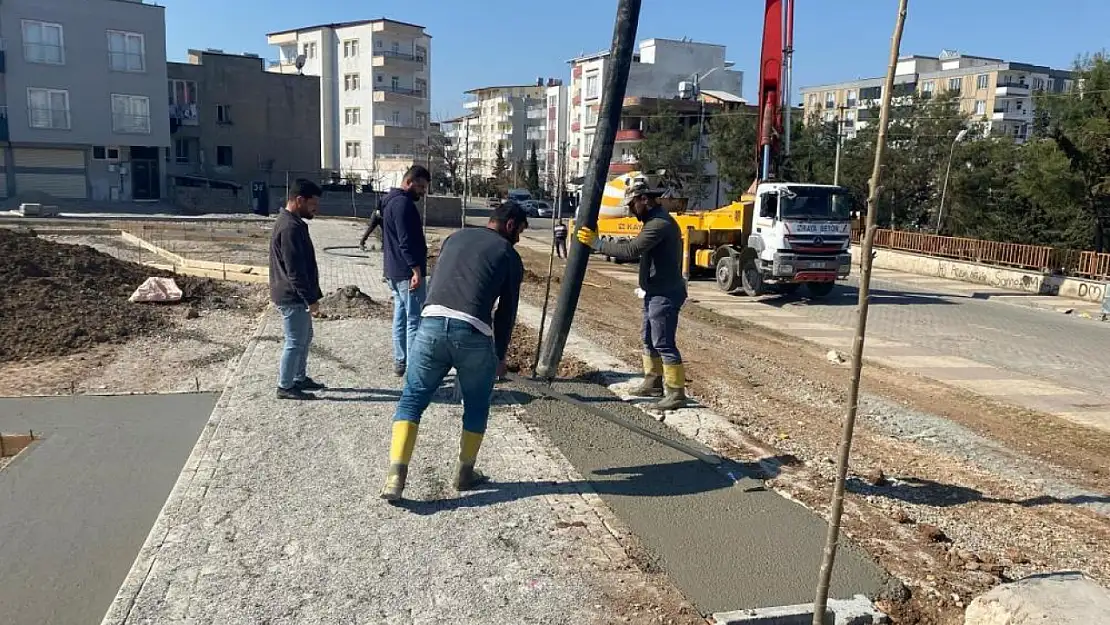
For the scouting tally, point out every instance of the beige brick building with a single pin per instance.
(996, 94)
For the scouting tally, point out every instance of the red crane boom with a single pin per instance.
(774, 83)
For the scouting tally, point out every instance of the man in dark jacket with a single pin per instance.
(658, 247)
(406, 259)
(560, 233)
(477, 267)
(295, 288)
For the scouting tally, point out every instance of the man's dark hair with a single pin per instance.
(509, 210)
(418, 172)
(305, 188)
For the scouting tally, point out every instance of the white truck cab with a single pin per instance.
(800, 234)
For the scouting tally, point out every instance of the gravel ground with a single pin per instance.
(935, 496)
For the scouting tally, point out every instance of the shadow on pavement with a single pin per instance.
(674, 479)
(849, 296)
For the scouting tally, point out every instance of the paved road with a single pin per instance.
(76, 506)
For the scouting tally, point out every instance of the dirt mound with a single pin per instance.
(522, 351)
(350, 302)
(58, 299)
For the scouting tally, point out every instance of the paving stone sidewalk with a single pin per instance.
(275, 518)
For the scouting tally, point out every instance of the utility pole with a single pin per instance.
(612, 101)
(466, 168)
(839, 143)
(836, 509)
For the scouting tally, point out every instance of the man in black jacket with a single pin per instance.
(295, 287)
(658, 247)
(406, 259)
(477, 267)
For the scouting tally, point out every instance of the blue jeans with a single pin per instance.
(407, 305)
(661, 326)
(297, 325)
(440, 344)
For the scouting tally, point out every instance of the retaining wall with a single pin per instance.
(998, 277)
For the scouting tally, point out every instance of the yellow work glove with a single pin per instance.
(587, 237)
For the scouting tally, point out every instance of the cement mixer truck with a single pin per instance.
(779, 235)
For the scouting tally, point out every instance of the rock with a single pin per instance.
(900, 516)
(192, 312)
(1063, 598)
(834, 357)
(876, 477)
(933, 533)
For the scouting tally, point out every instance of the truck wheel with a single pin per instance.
(728, 274)
(817, 290)
(788, 288)
(751, 279)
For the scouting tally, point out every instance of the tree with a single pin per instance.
(671, 143)
(533, 171)
(732, 144)
(500, 167)
(1079, 124)
(448, 175)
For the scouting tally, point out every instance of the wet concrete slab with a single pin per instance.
(727, 544)
(76, 506)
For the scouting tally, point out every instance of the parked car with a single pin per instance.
(543, 209)
(493, 202)
(530, 208)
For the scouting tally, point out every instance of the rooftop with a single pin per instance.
(334, 25)
(530, 85)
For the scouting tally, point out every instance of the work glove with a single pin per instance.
(588, 238)
(640, 293)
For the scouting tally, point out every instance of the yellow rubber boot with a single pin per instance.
(400, 453)
(674, 380)
(652, 386)
(466, 477)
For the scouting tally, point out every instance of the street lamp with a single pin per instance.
(948, 170)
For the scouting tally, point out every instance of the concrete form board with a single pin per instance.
(76, 506)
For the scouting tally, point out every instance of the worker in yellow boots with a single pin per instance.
(459, 328)
(658, 247)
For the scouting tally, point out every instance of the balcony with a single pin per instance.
(397, 156)
(619, 168)
(389, 58)
(402, 95)
(631, 134)
(1004, 115)
(397, 130)
(1007, 89)
(537, 113)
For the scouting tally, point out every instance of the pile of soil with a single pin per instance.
(350, 302)
(57, 299)
(522, 351)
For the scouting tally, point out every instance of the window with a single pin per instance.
(310, 50)
(395, 117)
(102, 152)
(852, 99)
(982, 81)
(352, 116)
(421, 87)
(48, 108)
(395, 82)
(421, 53)
(395, 47)
(181, 150)
(98, 153)
(421, 119)
(223, 156)
(350, 48)
(813, 100)
(43, 42)
(928, 88)
(377, 43)
(131, 114)
(223, 113)
(871, 93)
(183, 93)
(1038, 84)
(350, 82)
(591, 116)
(980, 107)
(830, 100)
(126, 51)
(589, 143)
(593, 86)
(353, 149)
(956, 85)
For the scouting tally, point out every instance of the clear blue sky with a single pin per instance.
(486, 42)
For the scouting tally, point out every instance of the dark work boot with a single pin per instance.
(294, 393)
(674, 380)
(468, 478)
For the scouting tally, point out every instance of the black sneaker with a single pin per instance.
(294, 393)
(308, 384)
(399, 369)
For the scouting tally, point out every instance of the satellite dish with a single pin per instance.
(300, 62)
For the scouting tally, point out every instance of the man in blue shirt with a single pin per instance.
(406, 259)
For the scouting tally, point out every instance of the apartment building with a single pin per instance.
(232, 121)
(556, 135)
(658, 68)
(375, 93)
(502, 120)
(996, 94)
(461, 138)
(82, 85)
